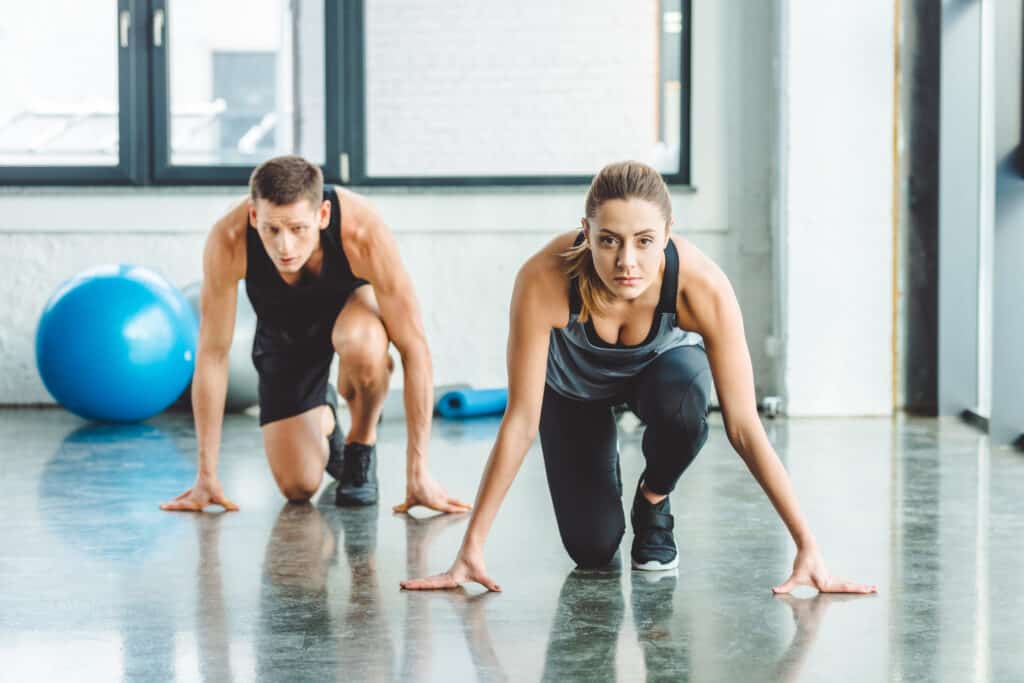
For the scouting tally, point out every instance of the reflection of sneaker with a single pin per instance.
(654, 547)
(336, 439)
(651, 598)
(663, 580)
(358, 482)
(360, 528)
(652, 602)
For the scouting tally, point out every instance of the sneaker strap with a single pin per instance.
(652, 519)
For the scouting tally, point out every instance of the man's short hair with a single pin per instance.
(287, 179)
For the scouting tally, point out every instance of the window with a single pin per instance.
(64, 91)
(380, 92)
(237, 81)
(531, 90)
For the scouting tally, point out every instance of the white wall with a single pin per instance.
(836, 198)
(462, 251)
(461, 246)
(512, 95)
(1007, 419)
(960, 207)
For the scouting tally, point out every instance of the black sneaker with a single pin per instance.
(336, 439)
(358, 482)
(654, 547)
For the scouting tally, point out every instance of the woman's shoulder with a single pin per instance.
(696, 269)
(702, 284)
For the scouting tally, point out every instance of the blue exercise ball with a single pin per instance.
(116, 343)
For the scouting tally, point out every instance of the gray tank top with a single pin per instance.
(583, 366)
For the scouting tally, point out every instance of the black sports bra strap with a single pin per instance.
(575, 300)
(670, 281)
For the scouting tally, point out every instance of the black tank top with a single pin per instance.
(304, 309)
(584, 367)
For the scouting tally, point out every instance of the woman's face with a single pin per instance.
(627, 238)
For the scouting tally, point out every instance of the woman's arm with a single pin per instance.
(529, 334)
(710, 306)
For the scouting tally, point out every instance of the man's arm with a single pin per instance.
(217, 302)
(373, 255)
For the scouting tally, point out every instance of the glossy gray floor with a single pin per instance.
(97, 583)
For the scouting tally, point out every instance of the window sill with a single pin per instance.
(193, 209)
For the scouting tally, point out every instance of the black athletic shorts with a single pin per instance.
(293, 368)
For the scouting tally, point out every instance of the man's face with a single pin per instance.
(291, 232)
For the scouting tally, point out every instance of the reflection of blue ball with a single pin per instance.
(116, 343)
(100, 492)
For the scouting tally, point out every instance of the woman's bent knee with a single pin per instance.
(593, 553)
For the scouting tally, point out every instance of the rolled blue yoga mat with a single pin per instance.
(472, 403)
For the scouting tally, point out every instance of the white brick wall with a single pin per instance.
(462, 253)
(463, 87)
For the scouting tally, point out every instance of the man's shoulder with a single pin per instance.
(362, 227)
(226, 242)
(355, 208)
(232, 225)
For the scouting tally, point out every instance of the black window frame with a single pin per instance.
(144, 101)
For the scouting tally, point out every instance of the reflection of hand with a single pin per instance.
(809, 570)
(423, 490)
(807, 612)
(420, 534)
(467, 568)
(213, 641)
(807, 615)
(470, 609)
(206, 491)
(208, 530)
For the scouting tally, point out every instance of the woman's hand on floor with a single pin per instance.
(809, 570)
(465, 570)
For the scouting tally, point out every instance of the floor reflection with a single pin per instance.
(97, 583)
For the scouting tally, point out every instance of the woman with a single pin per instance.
(581, 341)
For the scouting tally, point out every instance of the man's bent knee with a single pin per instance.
(298, 492)
(364, 360)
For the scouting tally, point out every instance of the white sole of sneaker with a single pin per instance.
(655, 566)
(654, 578)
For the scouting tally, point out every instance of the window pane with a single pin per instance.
(471, 87)
(59, 83)
(246, 80)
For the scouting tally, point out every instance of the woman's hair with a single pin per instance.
(622, 180)
(287, 179)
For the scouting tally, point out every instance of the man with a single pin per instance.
(324, 276)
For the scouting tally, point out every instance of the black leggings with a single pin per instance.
(581, 454)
